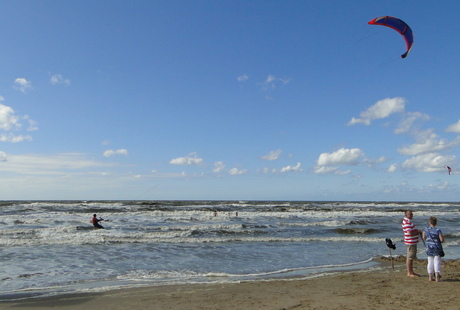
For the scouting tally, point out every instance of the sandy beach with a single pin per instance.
(386, 288)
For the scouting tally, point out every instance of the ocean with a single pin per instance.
(47, 247)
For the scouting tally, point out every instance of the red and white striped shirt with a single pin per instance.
(408, 226)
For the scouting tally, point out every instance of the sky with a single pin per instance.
(228, 100)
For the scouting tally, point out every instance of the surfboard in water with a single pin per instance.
(86, 228)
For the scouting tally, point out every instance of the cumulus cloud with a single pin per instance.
(109, 153)
(430, 162)
(382, 109)
(342, 156)
(454, 127)
(9, 121)
(218, 167)
(427, 142)
(296, 168)
(190, 159)
(392, 168)
(22, 85)
(272, 155)
(329, 162)
(57, 79)
(236, 171)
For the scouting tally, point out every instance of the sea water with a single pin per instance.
(144, 243)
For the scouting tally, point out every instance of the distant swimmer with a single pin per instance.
(96, 221)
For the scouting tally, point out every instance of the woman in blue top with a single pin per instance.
(434, 238)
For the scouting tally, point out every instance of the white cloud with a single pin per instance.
(2, 98)
(32, 124)
(427, 142)
(271, 82)
(267, 170)
(59, 79)
(342, 156)
(190, 159)
(330, 170)
(109, 153)
(296, 168)
(328, 162)
(22, 84)
(3, 157)
(344, 172)
(270, 78)
(407, 123)
(392, 168)
(430, 162)
(272, 155)
(243, 78)
(325, 169)
(8, 120)
(218, 167)
(454, 127)
(441, 186)
(14, 138)
(59, 164)
(382, 109)
(236, 171)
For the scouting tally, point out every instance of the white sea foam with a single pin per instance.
(171, 242)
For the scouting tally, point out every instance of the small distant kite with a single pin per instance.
(399, 26)
(448, 169)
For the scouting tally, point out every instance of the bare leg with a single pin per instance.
(438, 277)
(410, 269)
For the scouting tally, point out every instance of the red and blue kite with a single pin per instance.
(399, 26)
(448, 169)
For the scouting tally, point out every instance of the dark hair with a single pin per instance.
(94, 214)
(433, 220)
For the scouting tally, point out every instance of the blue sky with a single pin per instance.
(265, 100)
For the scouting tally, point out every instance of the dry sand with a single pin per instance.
(386, 288)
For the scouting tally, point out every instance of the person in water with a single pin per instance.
(96, 221)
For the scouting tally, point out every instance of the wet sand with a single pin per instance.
(386, 288)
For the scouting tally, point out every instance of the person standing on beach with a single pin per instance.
(411, 235)
(434, 238)
(96, 221)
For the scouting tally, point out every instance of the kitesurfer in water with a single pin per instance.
(96, 221)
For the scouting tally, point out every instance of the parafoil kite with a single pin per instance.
(399, 26)
(448, 169)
